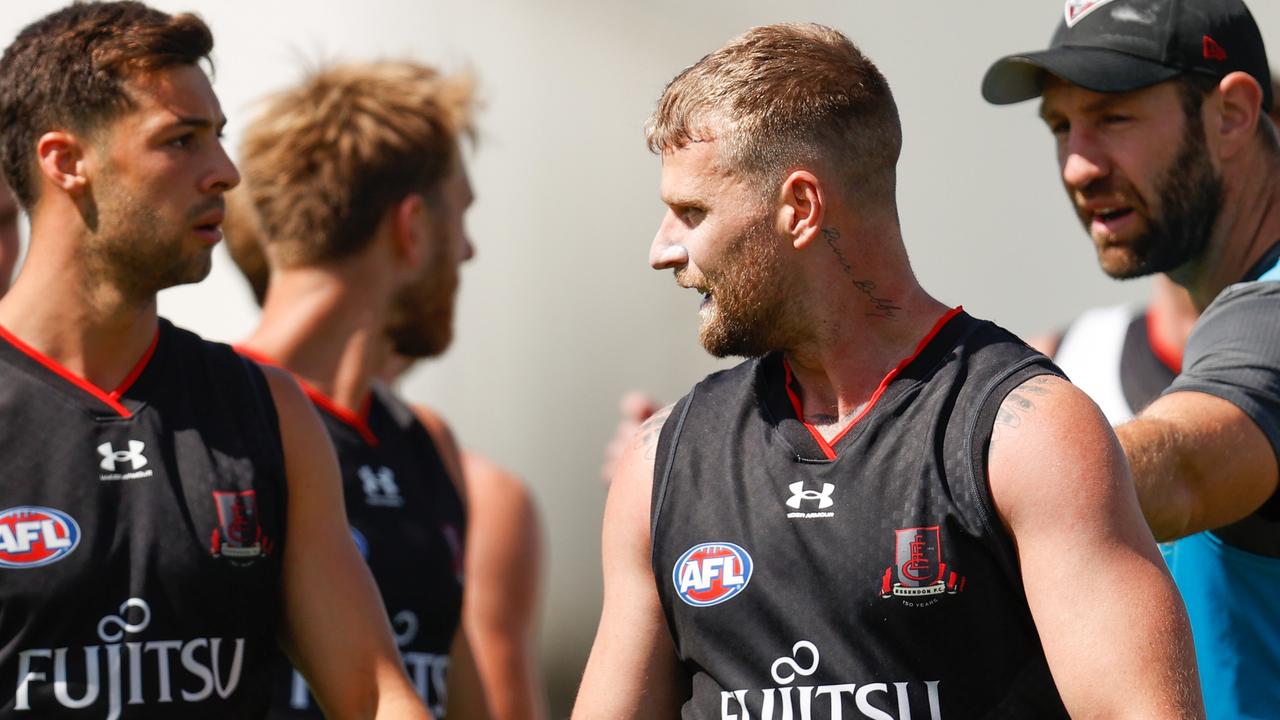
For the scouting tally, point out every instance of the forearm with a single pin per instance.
(1163, 475)
(509, 673)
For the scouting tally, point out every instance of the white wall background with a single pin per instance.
(559, 312)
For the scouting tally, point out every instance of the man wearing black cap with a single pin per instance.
(1158, 109)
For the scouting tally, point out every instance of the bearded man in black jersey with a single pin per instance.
(364, 255)
(894, 509)
(169, 511)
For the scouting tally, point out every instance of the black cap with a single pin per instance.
(1122, 45)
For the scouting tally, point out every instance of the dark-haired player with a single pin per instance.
(894, 509)
(8, 236)
(168, 510)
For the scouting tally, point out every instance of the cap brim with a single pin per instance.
(1020, 77)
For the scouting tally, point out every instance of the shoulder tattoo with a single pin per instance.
(651, 429)
(1019, 405)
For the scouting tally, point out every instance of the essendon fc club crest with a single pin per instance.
(1076, 10)
(919, 572)
(238, 536)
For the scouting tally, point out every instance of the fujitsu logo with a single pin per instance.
(133, 459)
(788, 701)
(380, 486)
(428, 671)
(799, 496)
(137, 672)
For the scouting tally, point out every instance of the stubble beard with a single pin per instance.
(421, 322)
(133, 251)
(748, 312)
(1190, 199)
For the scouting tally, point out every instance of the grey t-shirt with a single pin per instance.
(1234, 353)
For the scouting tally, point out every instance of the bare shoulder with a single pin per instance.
(445, 441)
(498, 493)
(285, 390)
(435, 425)
(1052, 450)
(648, 433)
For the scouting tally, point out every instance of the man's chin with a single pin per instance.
(1120, 262)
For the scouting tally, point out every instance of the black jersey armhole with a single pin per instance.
(978, 434)
(270, 418)
(668, 440)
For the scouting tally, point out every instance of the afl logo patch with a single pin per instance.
(32, 536)
(710, 573)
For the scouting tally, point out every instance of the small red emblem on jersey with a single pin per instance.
(919, 569)
(238, 536)
(32, 536)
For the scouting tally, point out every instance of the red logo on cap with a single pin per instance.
(1213, 51)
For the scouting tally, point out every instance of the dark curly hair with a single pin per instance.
(68, 71)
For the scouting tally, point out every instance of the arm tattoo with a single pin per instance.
(884, 307)
(1019, 404)
(651, 429)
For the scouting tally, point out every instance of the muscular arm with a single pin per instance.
(504, 579)
(1112, 625)
(340, 641)
(633, 671)
(1199, 463)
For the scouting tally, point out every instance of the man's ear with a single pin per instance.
(803, 208)
(1239, 107)
(408, 230)
(61, 158)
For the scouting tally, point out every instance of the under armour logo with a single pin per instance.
(380, 486)
(799, 495)
(133, 456)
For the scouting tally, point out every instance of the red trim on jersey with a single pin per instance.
(134, 374)
(1168, 355)
(828, 446)
(110, 399)
(359, 421)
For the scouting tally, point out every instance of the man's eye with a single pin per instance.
(182, 141)
(1115, 119)
(692, 216)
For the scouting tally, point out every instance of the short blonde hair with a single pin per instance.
(324, 161)
(779, 96)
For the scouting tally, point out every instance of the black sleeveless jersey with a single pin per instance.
(869, 577)
(408, 521)
(141, 533)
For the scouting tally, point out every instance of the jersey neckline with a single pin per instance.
(110, 398)
(357, 421)
(828, 447)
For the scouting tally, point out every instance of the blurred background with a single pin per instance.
(559, 312)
